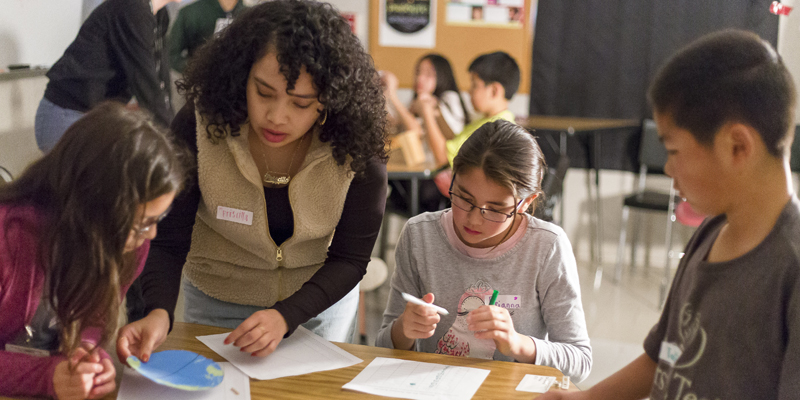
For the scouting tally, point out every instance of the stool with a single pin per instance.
(377, 272)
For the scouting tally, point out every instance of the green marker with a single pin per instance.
(494, 298)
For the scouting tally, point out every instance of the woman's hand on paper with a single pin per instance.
(492, 322)
(141, 337)
(259, 334)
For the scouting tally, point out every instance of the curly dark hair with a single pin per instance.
(302, 34)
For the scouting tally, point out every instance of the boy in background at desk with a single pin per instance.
(487, 241)
(730, 328)
(494, 78)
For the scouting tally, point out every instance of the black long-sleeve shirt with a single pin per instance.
(348, 254)
(119, 53)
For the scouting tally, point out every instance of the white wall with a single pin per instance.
(789, 44)
(18, 102)
(36, 32)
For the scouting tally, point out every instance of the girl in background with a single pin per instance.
(488, 242)
(74, 233)
(437, 109)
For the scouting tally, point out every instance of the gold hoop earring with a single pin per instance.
(325, 118)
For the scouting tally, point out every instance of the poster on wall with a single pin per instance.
(407, 23)
(486, 13)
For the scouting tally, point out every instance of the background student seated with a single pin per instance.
(494, 78)
(724, 107)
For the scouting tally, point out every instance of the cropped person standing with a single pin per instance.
(118, 54)
(196, 23)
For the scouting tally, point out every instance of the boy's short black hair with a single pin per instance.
(497, 67)
(728, 76)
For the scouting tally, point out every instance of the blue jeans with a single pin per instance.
(51, 123)
(336, 324)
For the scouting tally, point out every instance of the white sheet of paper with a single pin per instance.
(417, 380)
(301, 353)
(134, 386)
(536, 383)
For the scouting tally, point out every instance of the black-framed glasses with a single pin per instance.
(149, 223)
(487, 214)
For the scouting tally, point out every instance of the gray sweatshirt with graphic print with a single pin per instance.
(537, 281)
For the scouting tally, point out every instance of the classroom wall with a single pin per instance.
(459, 44)
(19, 99)
(36, 32)
(615, 185)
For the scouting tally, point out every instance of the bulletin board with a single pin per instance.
(459, 44)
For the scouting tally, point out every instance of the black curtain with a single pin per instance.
(596, 58)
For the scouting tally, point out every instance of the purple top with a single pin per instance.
(21, 284)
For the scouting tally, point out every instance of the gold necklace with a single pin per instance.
(279, 179)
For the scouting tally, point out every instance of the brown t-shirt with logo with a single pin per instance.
(731, 330)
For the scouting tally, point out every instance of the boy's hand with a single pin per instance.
(419, 322)
(492, 322)
(141, 337)
(260, 333)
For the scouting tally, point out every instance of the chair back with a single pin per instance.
(652, 153)
(794, 158)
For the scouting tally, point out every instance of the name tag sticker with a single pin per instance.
(234, 215)
(670, 353)
(507, 301)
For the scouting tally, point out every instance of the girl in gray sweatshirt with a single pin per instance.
(458, 257)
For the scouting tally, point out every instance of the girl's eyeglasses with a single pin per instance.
(149, 223)
(487, 214)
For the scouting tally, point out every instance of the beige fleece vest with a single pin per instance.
(240, 263)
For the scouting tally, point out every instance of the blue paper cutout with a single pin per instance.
(179, 369)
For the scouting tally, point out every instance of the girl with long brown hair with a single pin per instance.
(74, 233)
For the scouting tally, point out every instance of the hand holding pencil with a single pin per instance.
(418, 321)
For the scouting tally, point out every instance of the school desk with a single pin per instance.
(619, 135)
(500, 384)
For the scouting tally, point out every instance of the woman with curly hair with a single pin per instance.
(286, 115)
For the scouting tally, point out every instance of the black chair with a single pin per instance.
(553, 189)
(652, 158)
(553, 181)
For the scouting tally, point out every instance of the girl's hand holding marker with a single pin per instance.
(411, 299)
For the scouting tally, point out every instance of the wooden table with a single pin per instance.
(500, 384)
(398, 170)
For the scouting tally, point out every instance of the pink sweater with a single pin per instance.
(21, 285)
